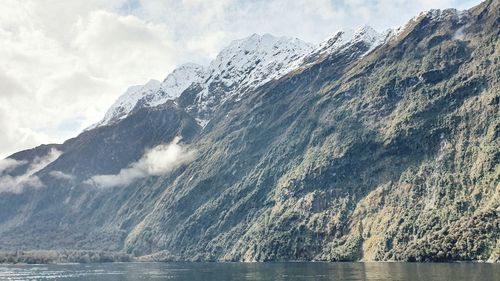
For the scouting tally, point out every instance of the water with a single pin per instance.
(254, 271)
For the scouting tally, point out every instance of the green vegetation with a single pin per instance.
(63, 256)
(390, 155)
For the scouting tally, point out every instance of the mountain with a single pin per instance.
(367, 147)
(242, 66)
(154, 93)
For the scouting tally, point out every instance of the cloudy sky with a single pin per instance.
(64, 62)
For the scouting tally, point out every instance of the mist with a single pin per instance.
(156, 161)
(61, 175)
(17, 184)
(9, 164)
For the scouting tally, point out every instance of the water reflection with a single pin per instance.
(254, 271)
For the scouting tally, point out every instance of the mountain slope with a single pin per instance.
(377, 147)
(351, 159)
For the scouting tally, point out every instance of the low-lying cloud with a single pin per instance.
(157, 161)
(16, 184)
(61, 175)
(9, 164)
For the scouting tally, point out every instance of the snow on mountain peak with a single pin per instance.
(154, 92)
(348, 37)
(366, 34)
(433, 15)
(256, 59)
(181, 78)
(343, 40)
(126, 102)
(244, 64)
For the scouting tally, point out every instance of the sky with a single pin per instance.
(64, 62)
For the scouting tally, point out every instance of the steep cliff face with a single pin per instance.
(376, 147)
(393, 155)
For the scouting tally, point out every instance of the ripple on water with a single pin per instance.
(254, 271)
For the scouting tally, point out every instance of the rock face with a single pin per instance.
(377, 147)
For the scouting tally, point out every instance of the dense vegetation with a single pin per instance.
(387, 155)
(393, 156)
(66, 256)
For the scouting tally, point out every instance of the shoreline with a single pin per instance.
(68, 257)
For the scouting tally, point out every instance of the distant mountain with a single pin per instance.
(369, 146)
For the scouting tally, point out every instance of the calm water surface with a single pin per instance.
(253, 271)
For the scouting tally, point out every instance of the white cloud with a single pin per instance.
(8, 164)
(113, 45)
(65, 62)
(157, 161)
(61, 175)
(16, 184)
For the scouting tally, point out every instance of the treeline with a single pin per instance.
(62, 256)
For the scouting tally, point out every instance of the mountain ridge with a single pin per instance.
(273, 57)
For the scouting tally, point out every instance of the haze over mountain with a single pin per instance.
(369, 146)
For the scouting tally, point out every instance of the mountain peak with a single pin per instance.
(342, 40)
(365, 33)
(259, 49)
(181, 78)
(154, 92)
(347, 37)
(244, 63)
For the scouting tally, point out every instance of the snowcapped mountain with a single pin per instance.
(255, 60)
(246, 63)
(243, 65)
(349, 37)
(342, 40)
(154, 92)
